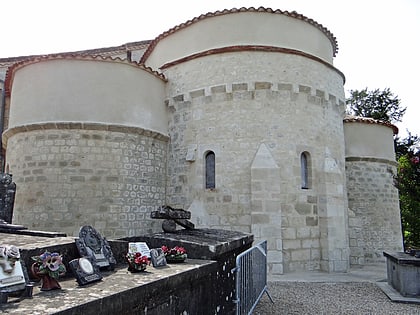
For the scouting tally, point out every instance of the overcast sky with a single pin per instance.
(378, 40)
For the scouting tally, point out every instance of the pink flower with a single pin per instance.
(415, 160)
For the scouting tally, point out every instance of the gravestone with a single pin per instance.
(91, 244)
(158, 257)
(7, 197)
(12, 276)
(84, 271)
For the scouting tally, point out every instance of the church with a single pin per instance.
(237, 116)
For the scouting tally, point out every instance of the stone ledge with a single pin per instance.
(200, 243)
(164, 290)
(82, 126)
(227, 88)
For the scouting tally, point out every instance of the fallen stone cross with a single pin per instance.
(172, 217)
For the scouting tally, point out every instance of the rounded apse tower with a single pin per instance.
(374, 212)
(256, 113)
(86, 144)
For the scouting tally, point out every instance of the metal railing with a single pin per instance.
(251, 278)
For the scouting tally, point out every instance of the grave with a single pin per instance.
(403, 273)
(202, 284)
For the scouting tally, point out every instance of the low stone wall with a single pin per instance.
(203, 284)
(220, 245)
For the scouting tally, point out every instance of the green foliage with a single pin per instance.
(408, 184)
(380, 105)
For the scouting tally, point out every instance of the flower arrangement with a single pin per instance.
(49, 267)
(50, 264)
(137, 262)
(175, 254)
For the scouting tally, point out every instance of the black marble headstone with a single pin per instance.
(84, 271)
(158, 257)
(7, 197)
(96, 247)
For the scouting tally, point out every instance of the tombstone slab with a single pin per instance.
(91, 244)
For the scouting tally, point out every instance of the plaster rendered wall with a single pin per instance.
(68, 177)
(86, 145)
(233, 103)
(374, 213)
(245, 28)
(369, 140)
(88, 91)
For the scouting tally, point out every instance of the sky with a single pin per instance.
(378, 40)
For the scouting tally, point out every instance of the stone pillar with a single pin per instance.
(333, 217)
(266, 209)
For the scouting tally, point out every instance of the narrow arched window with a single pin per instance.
(210, 161)
(305, 170)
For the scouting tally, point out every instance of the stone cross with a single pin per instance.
(172, 218)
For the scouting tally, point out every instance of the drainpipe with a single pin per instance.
(2, 110)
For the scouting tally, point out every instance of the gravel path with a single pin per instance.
(305, 298)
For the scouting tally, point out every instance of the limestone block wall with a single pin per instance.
(232, 103)
(69, 175)
(374, 213)
(86, 144)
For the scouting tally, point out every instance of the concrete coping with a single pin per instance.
(401, 258)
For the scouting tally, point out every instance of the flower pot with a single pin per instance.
(176, 258)
(47, 282)
(136, 267)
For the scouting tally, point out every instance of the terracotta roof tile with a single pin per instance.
(71, 56)
(368, 120)
(292, 14)
(96, 51)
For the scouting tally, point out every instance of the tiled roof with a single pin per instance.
(71, 56)
(106, 51)
(368, 120)
(292, 14)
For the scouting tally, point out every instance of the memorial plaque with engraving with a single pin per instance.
(158, 257)
(12, 277)
(94, 246)
(139, 247)
(84, 271)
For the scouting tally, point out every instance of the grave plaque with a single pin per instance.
(139, 247)
(158, 257)
(11, 273)
(84, 271)
(94, 246)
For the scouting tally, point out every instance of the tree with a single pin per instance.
(408, 183)
(380, 105)
(384, 106)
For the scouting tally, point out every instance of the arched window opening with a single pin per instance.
(210, 161)
(305, 170)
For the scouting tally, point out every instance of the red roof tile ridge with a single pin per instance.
(72, 56)
(370, 120)
(94, 51)
(292, 14)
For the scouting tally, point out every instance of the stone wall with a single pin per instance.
(231, 104)
(374, 218)
(69, 175)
